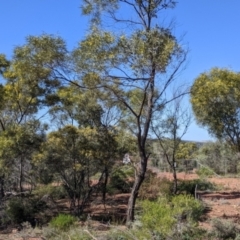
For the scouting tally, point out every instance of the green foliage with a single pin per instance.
(24, 209)
(120, 180)
(224, 229)
(186, 150)
(116, 233)
(43, 75)
(16, 211)
(45, 175)
(153, 187)
(218, 156)
(189, 186)
(63, 222)
(73, 233)
(56, 192)
(205, 172)
(186, 206)
(159, 218)
(215, 99)
(165, 187)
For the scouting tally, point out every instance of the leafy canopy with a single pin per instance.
(215, 98)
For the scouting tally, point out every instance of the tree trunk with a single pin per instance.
(21, 175)
(104, 187)
(139, 177)
(175, 186)
(2, 194)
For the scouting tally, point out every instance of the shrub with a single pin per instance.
(20, 210)
(74, 233)
(185, 206)
(120, 180)
(188, 186)
(56, 192)
(188, 231)
(16, 211)
(153, 187)
(205, 172)
(165, 187)
(63, 222)
(159, 218)
(224, 229)
(118, 234)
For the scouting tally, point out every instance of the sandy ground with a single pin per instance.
(222, 204)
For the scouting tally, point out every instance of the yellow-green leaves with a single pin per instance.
(95, 52)
(185, 150)
(137, 53)
(153, 47)
(215, 98)
(4, 63)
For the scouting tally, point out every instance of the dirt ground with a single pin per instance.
(224, 204)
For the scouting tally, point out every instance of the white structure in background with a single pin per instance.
(126, 159)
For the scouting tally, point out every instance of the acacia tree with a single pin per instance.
(87, 109)
(75, 155)
(18, 144)
(215, 99)
(145, 59)
(169, 127)
(29, 84)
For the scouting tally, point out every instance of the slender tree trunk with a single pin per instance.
(139, 177)
(2, 194)
(21, 175)
(175, 184)
(104, 189)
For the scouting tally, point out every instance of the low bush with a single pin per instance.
(205, 172)
(17, 211)
(21, 210)
(120, 180)
(153, 187)
(63, 222)
(159, 219)
(224, 229)
(186, 207)
(189, 186)
(165, 187)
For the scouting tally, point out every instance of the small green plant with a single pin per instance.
(63, 222)
(159, 218)
(205, 172)
(117, 234)
(73, 233)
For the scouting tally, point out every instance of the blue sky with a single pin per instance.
(210, 29)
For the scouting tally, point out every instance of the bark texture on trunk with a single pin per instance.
(139, 177)
(175, 184)
(2, 193)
